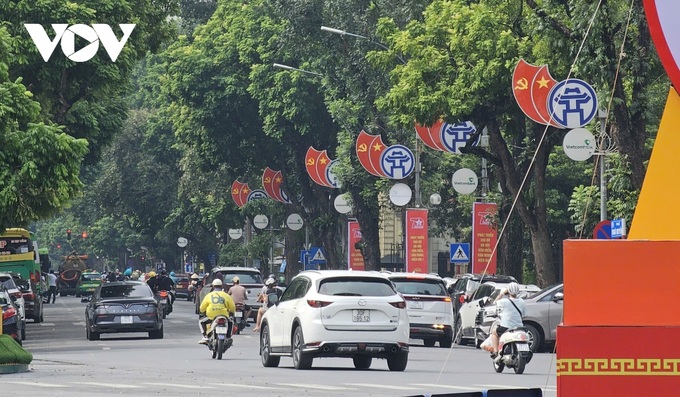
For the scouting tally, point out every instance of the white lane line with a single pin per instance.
(517, 387)
(446, 386)
(310, 386)
(382, 386)
(80, 323)
(181, 386)
(47, 324)
(114, 385)
(36, 384)
(176, 321)
(246, 386)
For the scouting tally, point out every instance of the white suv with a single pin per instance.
(336, 313)
(429, 307)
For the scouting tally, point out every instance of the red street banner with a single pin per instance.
(416, 241)
(355, 261)
(484, 237)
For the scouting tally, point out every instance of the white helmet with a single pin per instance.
(217, 282)
(270, 281)
(513, 289)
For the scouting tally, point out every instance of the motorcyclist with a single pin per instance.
(510, 310)
(151, 281)
(193, 287)
(270, 287)
(239, 294)
(215, 303)
(165, 283)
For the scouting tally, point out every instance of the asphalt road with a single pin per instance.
(65, 363)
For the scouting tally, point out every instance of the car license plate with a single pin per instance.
(238, 314)
(221, 330)
(522, 347)
(415, 305)
(361, 316)
(126, 320)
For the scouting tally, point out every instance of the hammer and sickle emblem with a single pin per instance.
(522, 84)
(363, 148)
(310, 162)
(235, 191)
(267, 180)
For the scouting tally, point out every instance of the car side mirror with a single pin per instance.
(558, 297)
(450, 290)
(483, 301)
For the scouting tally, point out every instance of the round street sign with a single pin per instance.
(182, 242)
(294, 222)
(260, 221)
(342, 204)
(235, 233)
(400, 194)
(579, 144)
(464, 181)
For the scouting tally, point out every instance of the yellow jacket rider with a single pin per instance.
(216, 303)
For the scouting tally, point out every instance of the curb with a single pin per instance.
(13, 368)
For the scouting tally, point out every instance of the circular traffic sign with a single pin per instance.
(294, 222)
(260, 221)
(235, 233)
(182, 242)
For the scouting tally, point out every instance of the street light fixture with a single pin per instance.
(286, 67)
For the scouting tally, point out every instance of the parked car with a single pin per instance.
(337, 313)
(17, 298)
(11, 320)
(33, 302)
(123, 306)
(88, 283)
(250, 278)
(542, 316)
(182, 285)
(428, 305)
(466, 321)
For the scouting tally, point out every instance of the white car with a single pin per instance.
(429, 307)
(466, 329)
(7, 280)
(336, 313)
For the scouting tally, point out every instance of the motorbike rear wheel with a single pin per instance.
(220, 348)
(521, 363)
(214, 349)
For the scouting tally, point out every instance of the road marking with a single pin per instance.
(446, 386)
(47, 324)
(518, 387)
(176, 321)
(114, 385)
(36, 384)
(308, 386)
(245, 386)
(80, 323)
(176, 385)
(382, 386)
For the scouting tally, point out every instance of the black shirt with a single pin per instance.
(164, 283)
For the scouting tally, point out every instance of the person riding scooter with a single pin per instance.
(510, 309)
(216, 303)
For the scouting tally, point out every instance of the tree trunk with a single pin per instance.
(368, 221)
(543, 256)
(511, 254)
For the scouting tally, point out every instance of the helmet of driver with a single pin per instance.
(513, 289)
(270, 281)
(217, 282)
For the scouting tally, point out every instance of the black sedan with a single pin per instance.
(123, 306)
(10, 316)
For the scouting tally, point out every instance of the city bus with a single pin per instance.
(18, 254)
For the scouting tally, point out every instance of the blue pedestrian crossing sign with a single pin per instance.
(316, 256)
(460, 252)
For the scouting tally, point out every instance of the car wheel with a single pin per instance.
(156, 334)
(23, 330)
(77, 295)
(301, 360)
(265, 349)
(429, 342)
(91, 335)
(397, 361)
(362, 362)
(446, 341)
(535, 337)
(459, 332)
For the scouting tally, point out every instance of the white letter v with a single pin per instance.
(42, 41)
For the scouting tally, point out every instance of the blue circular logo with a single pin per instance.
(256, 195)
(572, 103)
(330, 175)
(397, 162)
(455, 136)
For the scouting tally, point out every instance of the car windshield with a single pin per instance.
(91, 276)
(245, 277)
(541, 292)
(356, 286)
(126, 291)
(8, 282)
(419, 287)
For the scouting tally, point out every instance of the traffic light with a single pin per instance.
(68, 234)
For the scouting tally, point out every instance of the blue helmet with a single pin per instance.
(172, 273)
(128, 272)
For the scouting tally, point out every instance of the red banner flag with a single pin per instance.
(243, 194)
(355, 261)
(531, 85)
(484, 237)
(322, 163)
(311, 165)
(236, 187)
(268, 183)
(363, 147)
(540, 89)
(417, 254)
(432, 136)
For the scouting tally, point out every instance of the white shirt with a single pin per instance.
(51, 280)
(511, 317)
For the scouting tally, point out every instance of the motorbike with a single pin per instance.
(219, 340)
(514, 349)
(165, 300)
(240, 318)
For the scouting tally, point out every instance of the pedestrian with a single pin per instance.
(52, 283)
